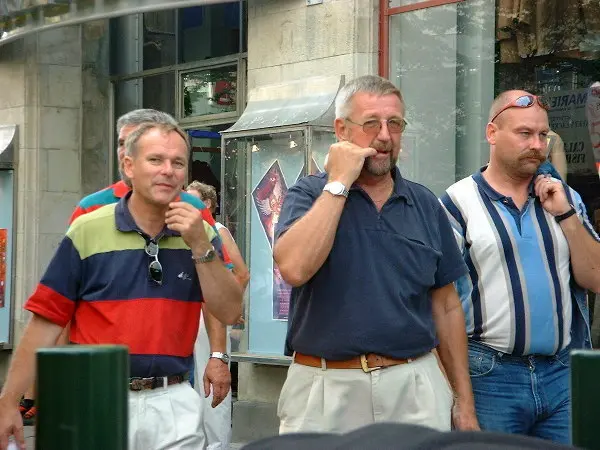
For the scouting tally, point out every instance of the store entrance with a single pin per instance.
(205, 160)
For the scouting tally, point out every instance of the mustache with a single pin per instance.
(533, 155)
(382, 147)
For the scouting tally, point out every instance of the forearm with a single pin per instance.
(585, 253)
(217, 332)
(221, 292)
(302, 250)
(39, 333)
(453, 353)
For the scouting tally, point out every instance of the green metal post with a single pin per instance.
(82, 398)
(585, 398)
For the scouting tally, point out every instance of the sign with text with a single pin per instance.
(568, 117)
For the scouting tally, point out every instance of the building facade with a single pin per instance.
(65, 87)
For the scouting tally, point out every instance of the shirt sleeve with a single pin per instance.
(451, 265)
(56, 295)
(582, 214)
(298, 201)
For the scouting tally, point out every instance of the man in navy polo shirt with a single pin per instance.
(372, 261)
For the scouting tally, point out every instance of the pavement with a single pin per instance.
(30, 440)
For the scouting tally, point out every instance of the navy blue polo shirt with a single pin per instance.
(373, 293)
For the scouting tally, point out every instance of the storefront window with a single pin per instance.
(159, 35)
(220, 28)
(451, 58)
(209, 91)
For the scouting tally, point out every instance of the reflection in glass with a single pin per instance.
(398, 3)
(211, 91)
(442, 59)
(159, 39)
(216, 27)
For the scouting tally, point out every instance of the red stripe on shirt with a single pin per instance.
(148, 326)
(51, 305)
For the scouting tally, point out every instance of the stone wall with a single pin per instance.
(288, 40)
(54, 84)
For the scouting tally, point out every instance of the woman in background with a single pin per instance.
(217, 421)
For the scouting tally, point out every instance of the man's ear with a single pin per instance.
(490, 133)
(341, 130)
(127, 166)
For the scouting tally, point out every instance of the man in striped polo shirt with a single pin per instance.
(216, 371)
(135, 273)
(531, 253)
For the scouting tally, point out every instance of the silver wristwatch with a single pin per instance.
(222, 356)
(336, 188)
(207, 257)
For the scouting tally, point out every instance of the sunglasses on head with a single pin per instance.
(155, 271)
(524, 101)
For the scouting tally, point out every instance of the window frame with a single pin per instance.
(385, 13)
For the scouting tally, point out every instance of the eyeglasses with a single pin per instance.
(155, 270)
(524, 101)
(373, 126)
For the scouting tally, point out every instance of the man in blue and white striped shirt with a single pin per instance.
(531, 254)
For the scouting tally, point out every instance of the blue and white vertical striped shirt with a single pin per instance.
(517, 298)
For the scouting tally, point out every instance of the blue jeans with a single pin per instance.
(521, 395)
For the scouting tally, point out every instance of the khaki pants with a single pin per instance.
(341, 400)
(166, 419)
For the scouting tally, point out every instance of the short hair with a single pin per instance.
(206, 191)
(131, 142)
(370, 84)
(140, 116)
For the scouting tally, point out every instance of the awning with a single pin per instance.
(22, 17)
(310, 101)
(8, 142)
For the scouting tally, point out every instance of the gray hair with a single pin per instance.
(131, 143)
(369, 84)
(140, 116)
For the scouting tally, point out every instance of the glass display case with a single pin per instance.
(284, 134)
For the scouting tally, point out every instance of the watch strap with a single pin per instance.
(220, 355)
(207, 257)
(566, 215)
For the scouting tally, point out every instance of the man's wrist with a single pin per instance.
(221, 356)
(200, 248)
(10, 399)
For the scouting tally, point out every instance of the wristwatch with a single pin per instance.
(207, 257)
(222, 356)
(336, 188)
(566, 215)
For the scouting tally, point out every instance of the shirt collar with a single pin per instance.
(400, 187)
(125, 222)
(490, 191)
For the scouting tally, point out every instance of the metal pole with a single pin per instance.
(585, 398)
(82, 398)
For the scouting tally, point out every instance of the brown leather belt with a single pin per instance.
(368, 362)
(141, 384)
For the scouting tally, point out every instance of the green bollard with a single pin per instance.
(82, 398)
(585, 398)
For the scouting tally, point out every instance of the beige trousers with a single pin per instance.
(341, 400)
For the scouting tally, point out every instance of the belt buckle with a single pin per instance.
(365, 365)
(136, 384)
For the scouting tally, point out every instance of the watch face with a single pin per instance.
(335, 187)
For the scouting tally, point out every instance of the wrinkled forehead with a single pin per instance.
(534, 117)
(383, 106)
